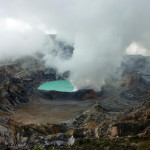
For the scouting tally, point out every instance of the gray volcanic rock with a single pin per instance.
(122, 108)
(118, 104)
(78, 95)
(18, 83)
(7, 136)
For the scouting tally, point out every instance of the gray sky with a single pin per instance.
(101, 31)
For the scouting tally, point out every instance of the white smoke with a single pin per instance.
(137, 49)
(18, 38)
(101, 31)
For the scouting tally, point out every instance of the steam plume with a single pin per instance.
(100, 30)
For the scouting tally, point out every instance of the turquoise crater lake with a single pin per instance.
(59, 85)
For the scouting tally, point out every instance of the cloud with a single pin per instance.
(137, 49)
(100, 30)
(12, 24)
(18, 38)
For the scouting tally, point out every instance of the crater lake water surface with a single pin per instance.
(59, 85)
(43, 111)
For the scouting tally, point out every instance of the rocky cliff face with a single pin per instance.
(18, 83)
(122, 107)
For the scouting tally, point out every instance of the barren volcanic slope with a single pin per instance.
(99, 51)
(32, 117)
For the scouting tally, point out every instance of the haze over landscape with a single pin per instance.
(74, 74)
(100, 32)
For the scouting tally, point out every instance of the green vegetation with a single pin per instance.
(40, 148)
(102, 144)
(37, 148)
(144, 146)
(121, 143)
